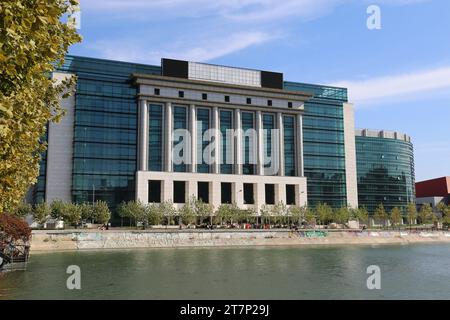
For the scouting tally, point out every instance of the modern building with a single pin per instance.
(433, 191)
(385, 167)
(183, 129)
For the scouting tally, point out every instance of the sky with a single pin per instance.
(398, 76)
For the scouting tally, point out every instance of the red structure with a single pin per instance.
(439, 187)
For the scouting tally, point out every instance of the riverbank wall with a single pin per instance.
(71, 240)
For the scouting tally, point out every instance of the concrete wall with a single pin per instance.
(350, 156)
(167, 178)
(60, 150)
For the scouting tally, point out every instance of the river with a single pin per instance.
(327, 272)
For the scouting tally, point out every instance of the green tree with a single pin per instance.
(425, 213)
(23, 209)
(57, 208)
(362, 215)
(101, 212)
(33, 40)
(87, 212)
(187, 213)
(395, 216)
(41, 212)
(342, 215)
(71, 214)
(168, 211)
(380, 215)
(444, 211)
(310, 217)
(297, 214)
(324, 213)
(411, 213)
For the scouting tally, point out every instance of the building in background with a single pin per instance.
(113, 143)
(433, 191)
(385, 167)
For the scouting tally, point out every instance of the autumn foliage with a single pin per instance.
(13, 228)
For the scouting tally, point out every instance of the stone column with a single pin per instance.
(260, 195)
(168, 140)
(260, 144)
(299, 155)
(280, 128)
(143, 134)
(238, 193)
(216, 164)
(193, 129)
(238, 150)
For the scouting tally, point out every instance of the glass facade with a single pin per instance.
(105, 129)
(248, 122)
(155, 137)
(203, 123)
(268, 125)
(180, 120)
(226, 123)
(289, 145)
(385, 169)
(323, 143)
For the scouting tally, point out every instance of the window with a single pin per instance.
(290, 105)
(290, 194)
(248, 143)
(225, 189)
(203, 123)
(268, 125)
(269, 103)
(227, 98)
(179, 191)
(270, 193)
(226, 124)
(204, 96)
(154, 191)
(180, 118)
(289, 145)
(155, 137)
(203, 191)
(248, 194)
(156, 91)
(249, 100)
(181, 94)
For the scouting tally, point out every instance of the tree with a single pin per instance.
(101, 212)
(187, 214)
(297, 214)
(71, 214)
(342, 215)
(425, 213)
(154, 214)
(34, 40)
(279, 211)
(395, 216)
(362, 215)
(324, 213)
(13, 228)
(445, 213)
(87, 212)
(23, 209)
(310, 217)
(57, 208)
(41, 212)
(411, 212)
(380, 215)
(167, 210)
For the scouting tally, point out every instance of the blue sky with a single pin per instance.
(398, 76)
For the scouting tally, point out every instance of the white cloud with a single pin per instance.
(205, 49)
(397, 86)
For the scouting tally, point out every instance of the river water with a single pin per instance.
(332, 272)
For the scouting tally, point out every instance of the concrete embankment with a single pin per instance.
(64, 240)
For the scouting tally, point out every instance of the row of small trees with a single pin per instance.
(425, 215)
(197, 212)
(71, 213)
